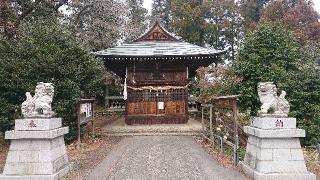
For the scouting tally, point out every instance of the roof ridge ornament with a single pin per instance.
(157, 33)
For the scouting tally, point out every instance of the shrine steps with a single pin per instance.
(119, 128)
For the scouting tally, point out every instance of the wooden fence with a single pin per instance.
(220, 126)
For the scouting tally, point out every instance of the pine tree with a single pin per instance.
(161, 10)
(98, 24)
(137, 20)
(216, 23)
(188, 20)
(251, 12)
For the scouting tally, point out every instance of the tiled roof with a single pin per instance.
(157, 48)
(157, 41)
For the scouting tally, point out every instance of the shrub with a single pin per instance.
(271, 53)
(44, 51)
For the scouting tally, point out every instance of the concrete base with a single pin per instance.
(37, 124)
(37, 150)
(119, 128)
(275, 176)
(274, 151)
(58, 175)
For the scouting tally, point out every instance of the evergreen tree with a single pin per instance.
(271, 53)
(137, 16)
(14, 13)
(217, 24)
(251, 12)
(46, 52)
(161, 10)
(224, 29)
(98, 24)
(188, 20)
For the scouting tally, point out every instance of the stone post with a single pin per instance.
(37, 150)
(273, 147)
(273, 150)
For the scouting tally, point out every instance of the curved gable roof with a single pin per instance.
(157, 41)
(158, 33)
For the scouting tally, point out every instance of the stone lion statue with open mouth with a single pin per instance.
(40, 104)
(272, 104)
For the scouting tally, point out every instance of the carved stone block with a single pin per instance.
(36, 152)
(274, 152)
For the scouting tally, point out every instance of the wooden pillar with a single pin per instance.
(106, 102)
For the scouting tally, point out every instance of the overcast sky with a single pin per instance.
(316, 5)
(147, 4)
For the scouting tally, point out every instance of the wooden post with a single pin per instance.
(202, 119)
(106, 102)
(79, 126)
(93, 116)
(221, 145)
(236, 137)
(211, 130)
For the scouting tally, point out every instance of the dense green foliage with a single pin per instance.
(304, 94)
(45, 52)
(271, 53)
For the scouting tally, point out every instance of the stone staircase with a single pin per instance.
(119, 128)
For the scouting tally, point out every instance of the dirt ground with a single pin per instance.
(91, 150)
(86, 156)
(312, 158)
(223, 159)
(89, 155)
(4, 146)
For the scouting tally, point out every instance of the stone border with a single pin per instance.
(272, 133)
(37, 134)
(55, 176)
(274, 176)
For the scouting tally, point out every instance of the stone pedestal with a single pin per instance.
(274, 151)
(37, 150)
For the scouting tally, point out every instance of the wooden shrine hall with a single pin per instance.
(156, 69)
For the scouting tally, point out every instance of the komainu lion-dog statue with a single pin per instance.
(272, 104)
(40, 104)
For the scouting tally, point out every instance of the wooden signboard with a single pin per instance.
(85, 114)
(226, 101)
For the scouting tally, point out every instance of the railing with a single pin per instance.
(219, 123)
(117, 103)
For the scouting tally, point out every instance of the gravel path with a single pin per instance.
(160, 157)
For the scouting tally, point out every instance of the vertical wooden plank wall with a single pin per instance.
(142, 105)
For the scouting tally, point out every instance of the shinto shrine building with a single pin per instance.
(157, 68)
